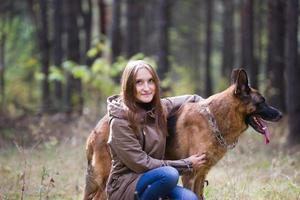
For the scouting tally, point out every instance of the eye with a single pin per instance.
(151, 81)
(138, 82)
(261, 101)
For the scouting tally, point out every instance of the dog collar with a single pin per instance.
(215, 129)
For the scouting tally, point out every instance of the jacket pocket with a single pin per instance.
(119, 187)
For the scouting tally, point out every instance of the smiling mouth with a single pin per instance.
(260, 126)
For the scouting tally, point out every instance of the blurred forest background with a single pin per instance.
(61, 59)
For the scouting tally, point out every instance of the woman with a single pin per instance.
(138, 138)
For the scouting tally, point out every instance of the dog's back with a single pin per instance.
(98, 161)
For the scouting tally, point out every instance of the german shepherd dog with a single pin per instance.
(211, 126)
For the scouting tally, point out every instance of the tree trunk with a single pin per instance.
(149, 33)
(260, 23)
(248, 41)
(58, 49)
(163, 38)
(133, 16)
(86, 15)
(74, 99)
(228, 38)
(45, 53)
(2, 69)
(116, 40)
(208, 80)
(194, 44)
(275, 62)
(292, 73)
(102, 19)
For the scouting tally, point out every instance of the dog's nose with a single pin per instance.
(279, 115)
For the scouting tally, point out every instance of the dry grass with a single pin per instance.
(46, 173)
(255, 171)
(56, 171)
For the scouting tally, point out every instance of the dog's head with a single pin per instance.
(255, 107)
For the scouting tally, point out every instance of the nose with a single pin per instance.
(279, 115)
(146, 86)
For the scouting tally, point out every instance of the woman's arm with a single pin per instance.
(172, 104)
(125, 144)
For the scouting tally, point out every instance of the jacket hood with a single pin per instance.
(116, 107)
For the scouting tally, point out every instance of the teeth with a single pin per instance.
(256, 120)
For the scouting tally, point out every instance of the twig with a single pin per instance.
(23, 176)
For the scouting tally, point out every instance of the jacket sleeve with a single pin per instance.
(125, 144)
(173, 104)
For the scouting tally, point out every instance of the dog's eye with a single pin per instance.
(262, 101)
(258, 104)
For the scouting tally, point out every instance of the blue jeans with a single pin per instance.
(162, 182)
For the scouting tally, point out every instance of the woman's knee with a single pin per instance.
(171, 175)
(189, 195)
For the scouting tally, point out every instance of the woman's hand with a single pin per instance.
(197, 160)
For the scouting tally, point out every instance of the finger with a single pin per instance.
(203, 156)
(200, 164)
(202, 161)
(200, 154)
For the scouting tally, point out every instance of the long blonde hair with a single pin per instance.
(128, 93)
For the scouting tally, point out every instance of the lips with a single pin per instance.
(260, 126)
(146, 94)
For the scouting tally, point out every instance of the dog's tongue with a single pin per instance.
(263, 129)
(266, 133)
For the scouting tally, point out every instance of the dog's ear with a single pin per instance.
(234, 75)
(240, 79)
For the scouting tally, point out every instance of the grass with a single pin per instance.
(56, 171)
(255, 171)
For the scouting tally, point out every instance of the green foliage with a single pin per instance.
(102, 77)
(96, 50)
(99, 79)
(179, 81)
(22, 90)
(81, 72)
(56, 74)
(24, 76)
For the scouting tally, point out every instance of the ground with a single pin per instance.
(53, 166)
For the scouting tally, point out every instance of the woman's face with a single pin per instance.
(145, 86)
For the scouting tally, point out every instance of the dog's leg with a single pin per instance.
(91, 186)
(97, 175)
(194, 183)
(199, 185)
(95, 186)
(187, 181)
(101, 194)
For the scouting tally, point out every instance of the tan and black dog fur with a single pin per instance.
(190, 132)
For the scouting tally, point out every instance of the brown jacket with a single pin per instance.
(134, 154)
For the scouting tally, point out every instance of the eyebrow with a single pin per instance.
(144, 79)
